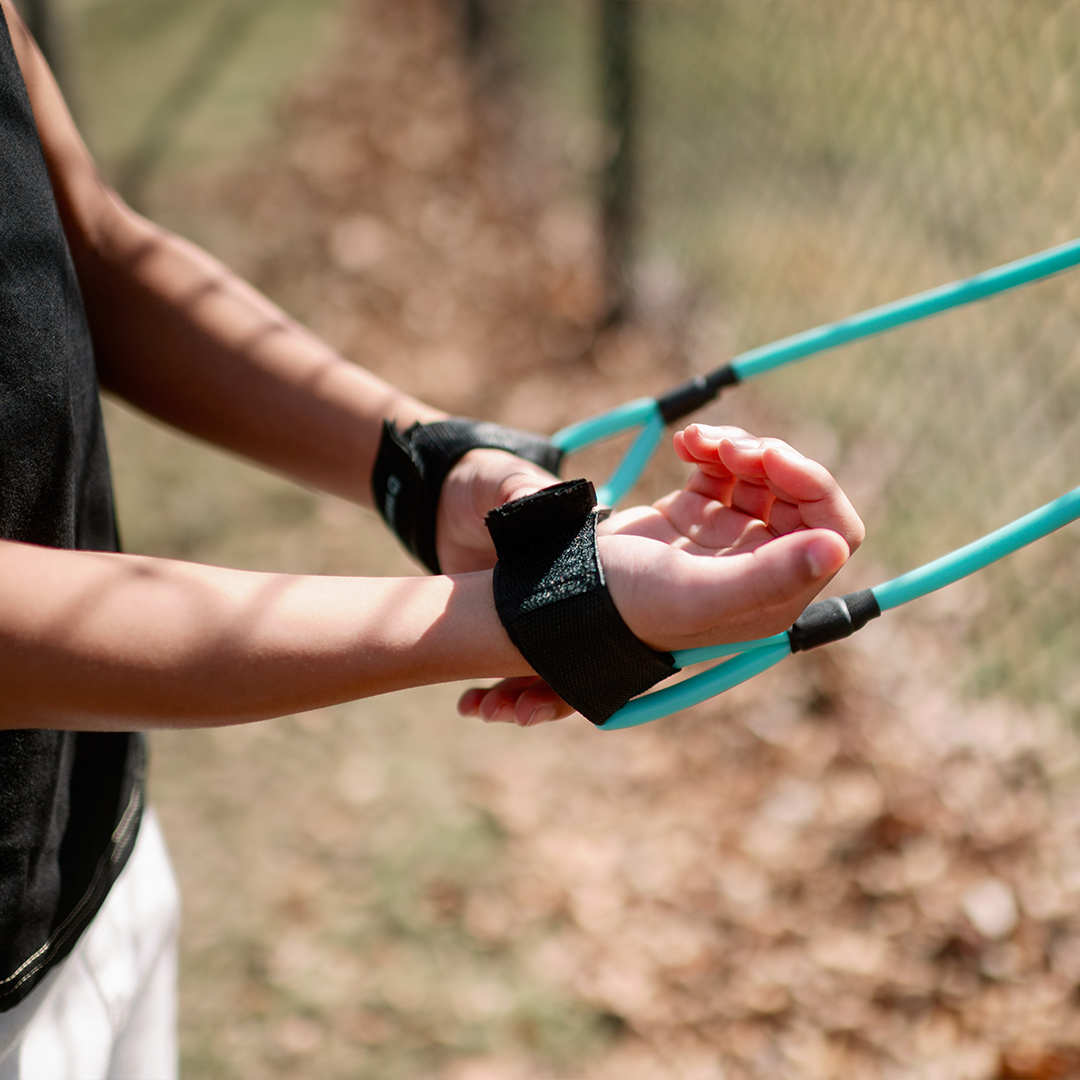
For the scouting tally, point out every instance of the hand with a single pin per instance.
(479, 482)
(737, 554)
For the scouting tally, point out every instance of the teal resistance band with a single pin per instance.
(653, 414)
(840, 616)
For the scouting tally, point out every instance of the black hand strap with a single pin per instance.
(551, 597)
(411, 467)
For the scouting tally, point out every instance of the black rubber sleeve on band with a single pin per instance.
(551, 597)
(833, 619)
(411, 467)
(689, 396)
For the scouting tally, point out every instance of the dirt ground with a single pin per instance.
(841, 869)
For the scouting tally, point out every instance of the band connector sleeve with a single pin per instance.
(689, 396)
(833, 619)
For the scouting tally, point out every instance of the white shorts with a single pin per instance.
(108, 1011)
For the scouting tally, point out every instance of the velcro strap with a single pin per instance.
(551, 597)
(411, 467)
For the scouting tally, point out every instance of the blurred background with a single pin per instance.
(863, 864)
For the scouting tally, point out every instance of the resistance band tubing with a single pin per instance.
(979, 553)
(644, 411)
(597, 428)
(686, 657)
(900, 312)
(633, 463)
(690, 691)
(755, 657)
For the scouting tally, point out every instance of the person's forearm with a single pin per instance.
(226, 364)
(182, 338)
(104, 641)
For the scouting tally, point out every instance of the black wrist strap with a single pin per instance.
(411, 467)
(551, 597)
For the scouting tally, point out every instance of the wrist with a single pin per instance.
(552, 597)
(470, 634)
(412, 465)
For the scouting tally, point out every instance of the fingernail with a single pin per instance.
(791, 454)
(745, 443)
(541, 715)
(819, 558)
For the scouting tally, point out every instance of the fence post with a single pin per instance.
(475, 22)
(618, 110)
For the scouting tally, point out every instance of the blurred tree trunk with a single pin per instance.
(619, 114)
(475, 24)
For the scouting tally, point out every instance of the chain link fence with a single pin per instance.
(796, 163)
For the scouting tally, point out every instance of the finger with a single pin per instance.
(539, 704)
(752, 499)
(805, 492)
(524, 701)
(778, 465)
(517, 486)
(743, 455)
(776, 574)
(713, 483)
(730, 468)
(807, 496)
(699, 443)
(750, 493)
(486, 702)
(673, 599)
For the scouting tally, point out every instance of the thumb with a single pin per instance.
(765, 585)
(782, 571)
(674, 599)
(517, 486)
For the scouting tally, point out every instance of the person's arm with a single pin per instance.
(115, 641)
(100, 641)
(182, 338)
(105, 641)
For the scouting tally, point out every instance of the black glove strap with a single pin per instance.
(551, 597)
(411, 467)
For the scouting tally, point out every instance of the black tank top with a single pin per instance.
(70, 802)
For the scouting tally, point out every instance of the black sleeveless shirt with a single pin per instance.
(70, 802)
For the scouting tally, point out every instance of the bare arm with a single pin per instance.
(101, 641)
(184, 339)
(95, 640)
